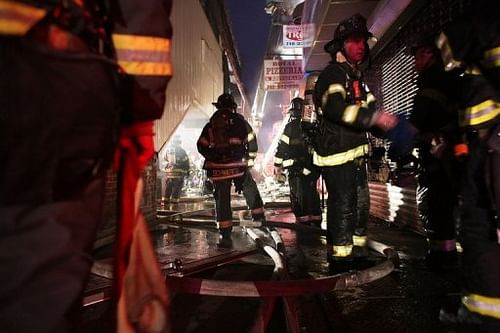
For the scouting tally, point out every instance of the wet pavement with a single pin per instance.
(407, 300)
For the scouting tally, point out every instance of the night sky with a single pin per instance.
(250, 25)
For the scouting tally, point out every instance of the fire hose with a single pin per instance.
(326, 284)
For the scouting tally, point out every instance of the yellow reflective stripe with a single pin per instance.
(306, 171)
(278, 160)
(336, 88)
(359, 240)
(472, 70)
(486, 306)
(340, 158)
(447, 53)
(332, 89)
(143, 55)
(492, 57)
(250, 163)
(252, 154)
(342, 250)
(287, 163)
(17, 18)
(350, 114)
(370, 98)
(481, 113)
(285, 139)
(250, 136)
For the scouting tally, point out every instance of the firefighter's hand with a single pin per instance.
(385, 121)
(402, 137)
(278, 171)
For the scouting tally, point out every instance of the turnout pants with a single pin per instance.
(348, 205)
(436, 204)
(477, 234)
(173, 187)
(57, 134)
(304, 197)
(222, 196)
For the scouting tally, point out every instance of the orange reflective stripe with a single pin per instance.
(143, 55)
(17, 18)
(461, 149)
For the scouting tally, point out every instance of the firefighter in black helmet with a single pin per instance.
(433, 114)
(346, 109)
(229, 146)
(471, 45)
(294, 155)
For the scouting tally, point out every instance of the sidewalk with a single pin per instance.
(407, 300)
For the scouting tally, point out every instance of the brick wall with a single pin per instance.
(148, 204)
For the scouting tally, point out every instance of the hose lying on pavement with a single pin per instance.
(290, 287)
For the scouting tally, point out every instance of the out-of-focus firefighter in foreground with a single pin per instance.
(73, 72)
(471, 45)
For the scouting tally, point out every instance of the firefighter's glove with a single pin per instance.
(402, 137)
(139, 137)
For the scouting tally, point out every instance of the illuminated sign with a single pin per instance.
(297, 36)
(282, 74)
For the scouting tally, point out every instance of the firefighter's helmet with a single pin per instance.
(427, 41)
(356, 24)
(225, 101)
(296, 107)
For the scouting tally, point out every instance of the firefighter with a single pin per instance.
(294, 155)
(471, 45)
(433, 114)
(177, 169)
(229, 147)
(57, 137)
(346, 110)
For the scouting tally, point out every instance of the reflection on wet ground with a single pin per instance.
(407, 300)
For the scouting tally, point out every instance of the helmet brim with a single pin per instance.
(335, 45)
